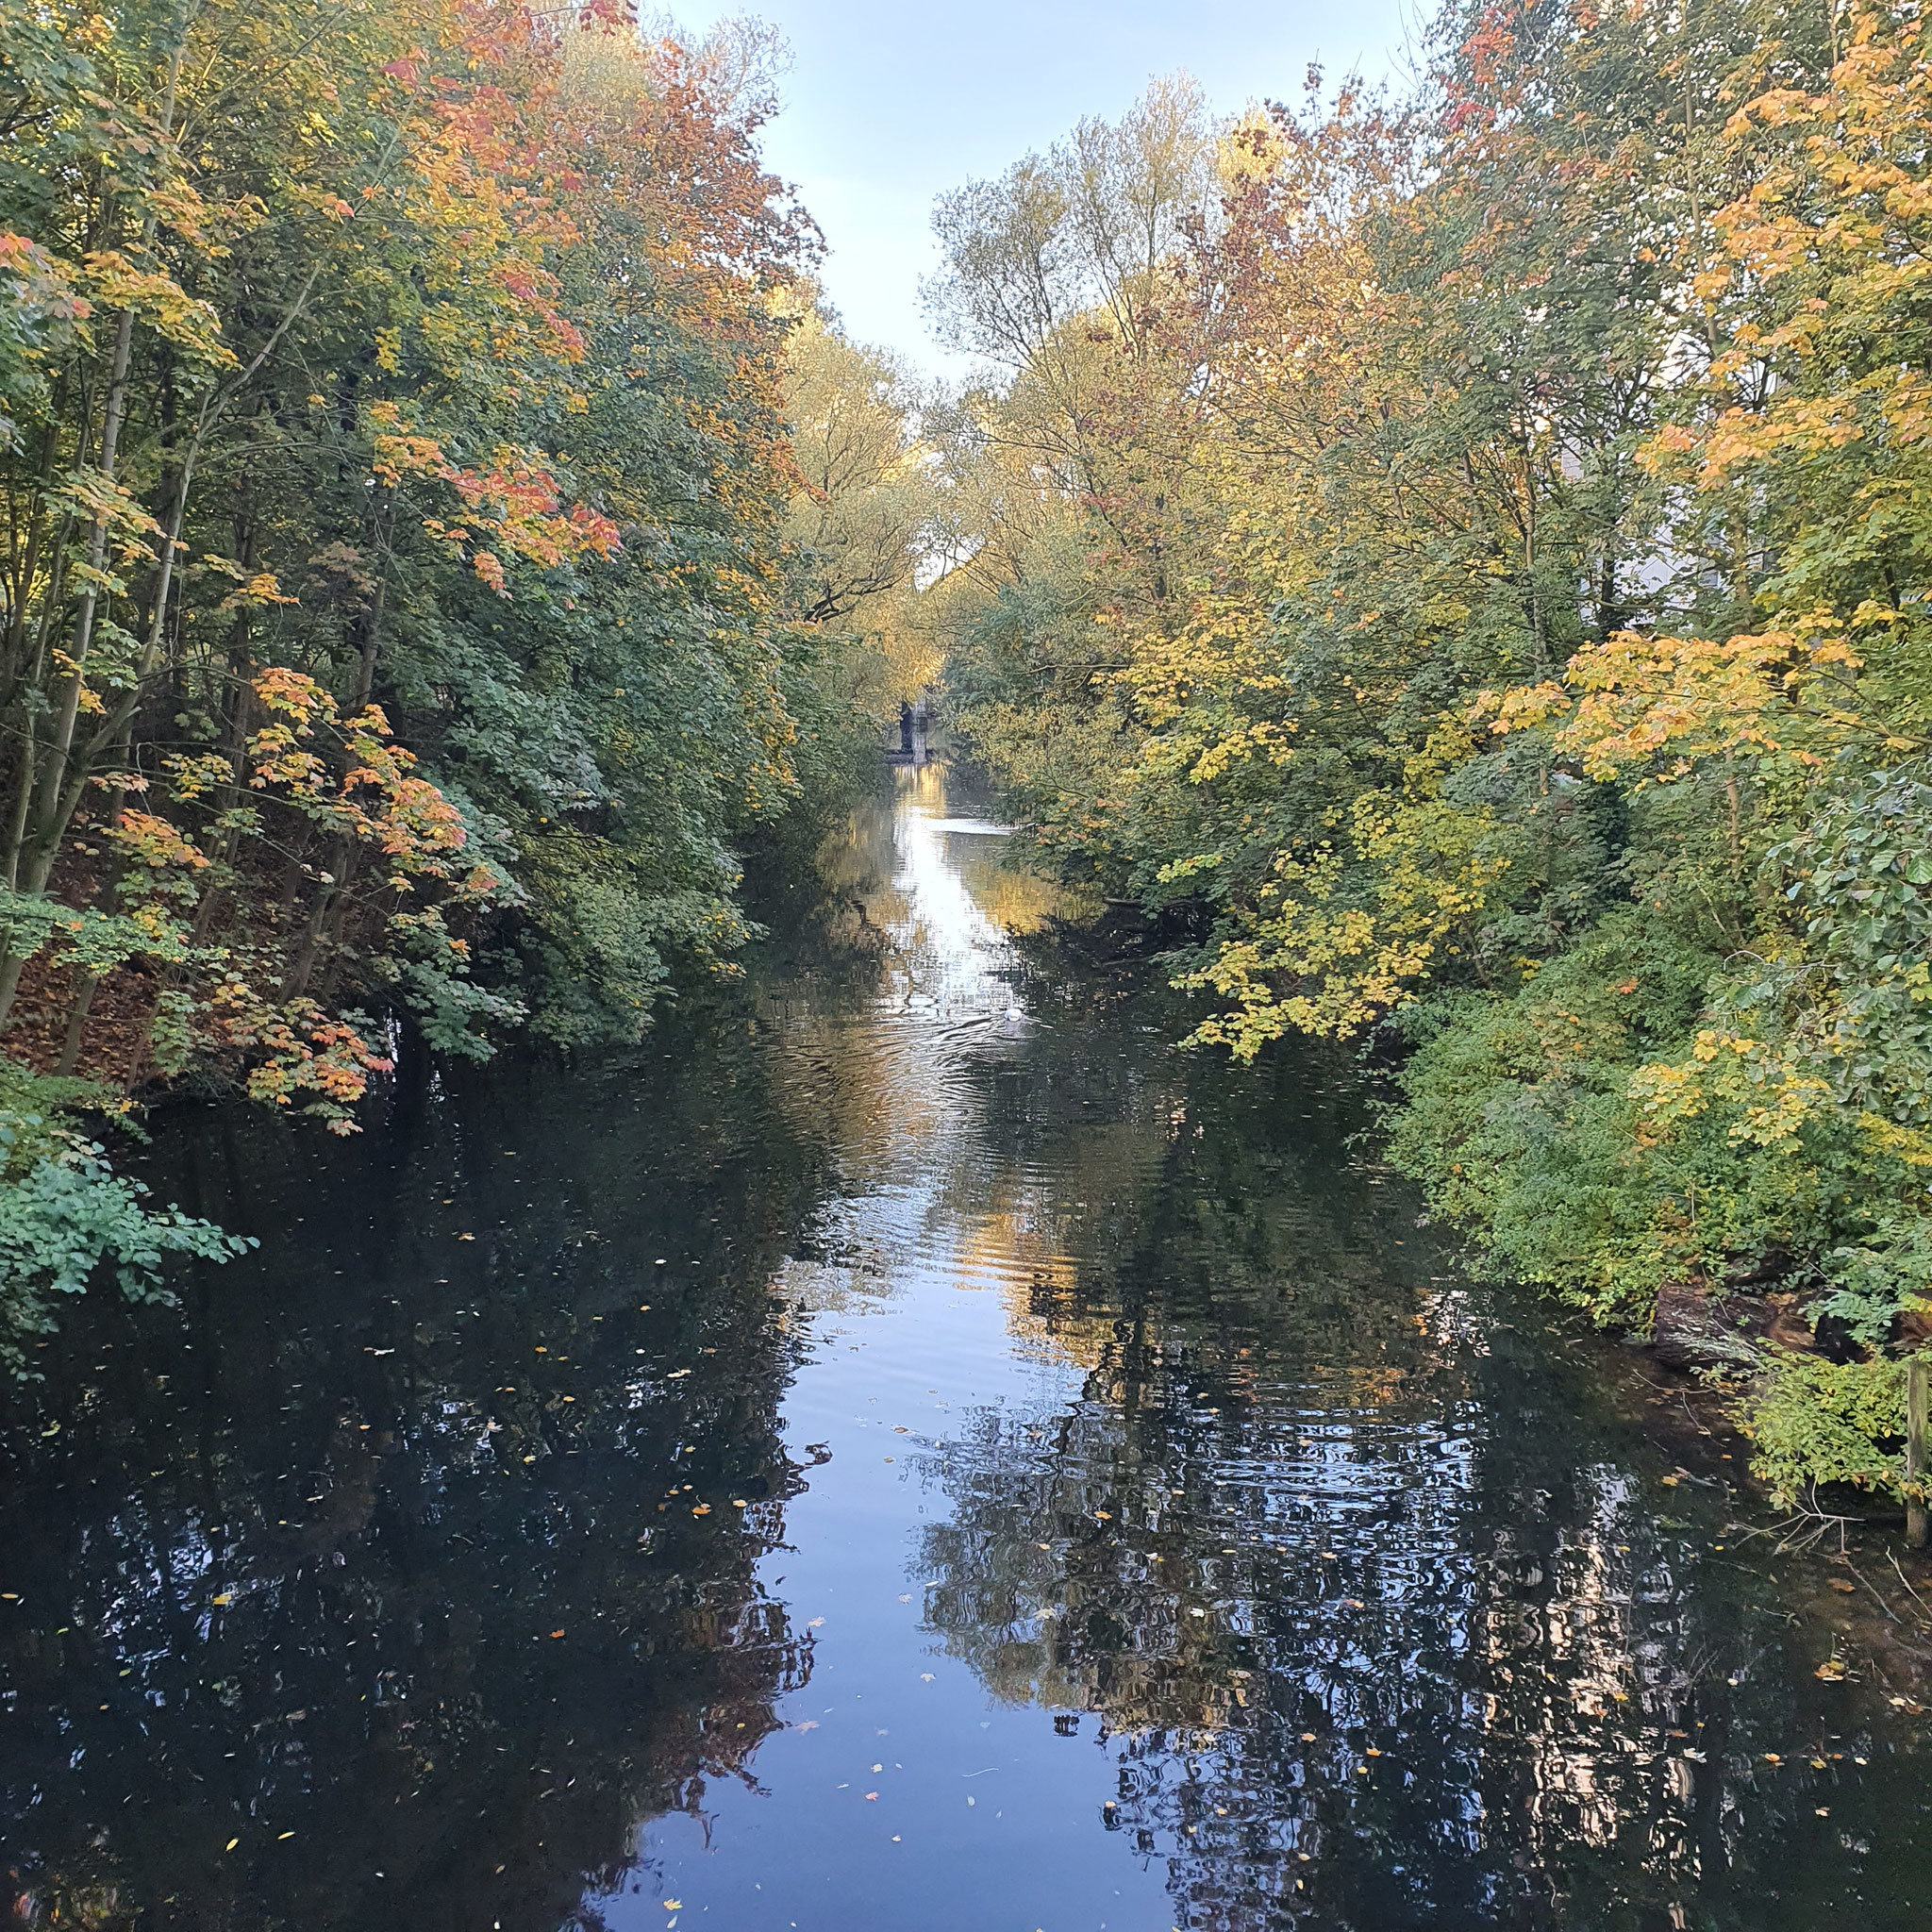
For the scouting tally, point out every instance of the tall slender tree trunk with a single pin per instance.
(34, 835)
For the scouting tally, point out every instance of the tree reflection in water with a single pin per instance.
(1357, 1581)
(389, 1571)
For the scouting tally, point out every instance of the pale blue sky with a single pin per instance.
(888, 105)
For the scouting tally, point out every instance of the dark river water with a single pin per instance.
(910, 1449)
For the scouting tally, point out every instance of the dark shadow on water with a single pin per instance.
(388, 1568)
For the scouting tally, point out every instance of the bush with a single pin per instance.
(1817, 1422)
(66, 1216)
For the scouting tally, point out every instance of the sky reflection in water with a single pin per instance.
(908, 1450)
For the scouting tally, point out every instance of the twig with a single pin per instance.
(1905, 1579)
(1879, 1600)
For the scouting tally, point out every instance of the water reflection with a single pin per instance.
(1371, 1650)
(417, 1574)
(911, 1450)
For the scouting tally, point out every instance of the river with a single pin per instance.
(909, 1450)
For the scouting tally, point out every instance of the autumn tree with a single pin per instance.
(397, 590)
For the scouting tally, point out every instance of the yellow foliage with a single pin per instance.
(1353, 933)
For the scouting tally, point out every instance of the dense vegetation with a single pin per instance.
(1463, 561)
(416, 587)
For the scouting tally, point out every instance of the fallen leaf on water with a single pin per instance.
(1832, 1670)
(671, 1905)
(281, 1835)
(223, 1598)
(811, 1724)
(904, 1598)
(926, 1676)
(815, 1623)
(556, 1633)
(702, 1510)
(231, 1844)
(871, 1797)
